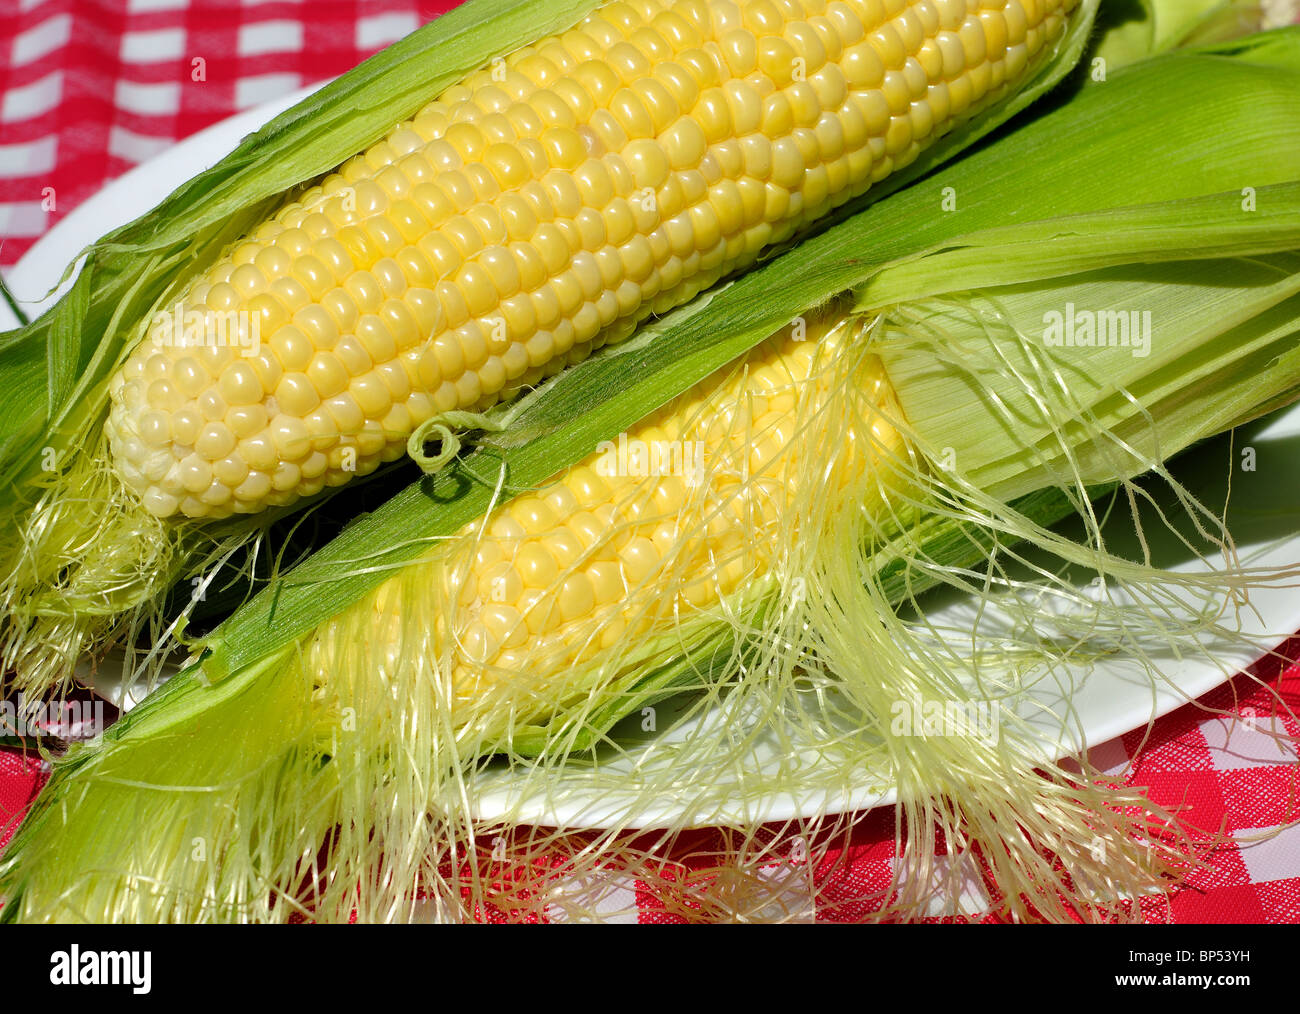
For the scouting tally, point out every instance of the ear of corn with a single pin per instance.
(536, 211)
(352, 693)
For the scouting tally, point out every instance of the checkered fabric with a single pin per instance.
(89, 88)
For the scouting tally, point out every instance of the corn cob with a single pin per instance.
(533, 213)
(665, 523)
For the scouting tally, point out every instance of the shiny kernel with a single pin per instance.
(788, 164)
(161, 394)
(215, 441)
(776, 59)
(863, 67)
(536, 566)
(875, 113)
(273, 262)
(551, 247)
(546, 305)
(211, 405)
(566, 201)
(155, 429)
(239, 385)
(563, 148)
(648, 162)
(628, 62)
(632, 115)
(609, 133)
(952, 13)
(713, 114)
(660, 104)
(353, 356)
(393, 375)
(195, 474)
(778, 116)
(971, 35)
(501, 271)
(684, 145)
(384, 236)
(286, 477)
(577, 598)
(345, 412)
(223, 297)
(247, 420)
(230, 471)
(289, 293)
(897, 93)
(371, 396)
(247, 280)
(995, 32)
(640, 559)
(314, 466)
(953, 54)
(186, 425)
(327, 374)
(255, 488)
(619, 223)
(507, 165)
(889, 47)
(296, 394)
(532, 268)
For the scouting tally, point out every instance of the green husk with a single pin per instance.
(81, 564)
(1131, 30)
(396, 787)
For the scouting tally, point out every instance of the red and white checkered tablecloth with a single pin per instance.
(89, 88)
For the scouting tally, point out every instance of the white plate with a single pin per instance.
(1079, 707)
(1112, 699)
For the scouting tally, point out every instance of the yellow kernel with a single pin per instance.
(255, 488)
(953, 54)
(648, 163)
(995, 33)
(185, 427)
(327, 374)
(215, 441)
(788, 163)
(776, 59)
(536, 566)
(247, 280)
(507, 165)
(247, 420)
(713, 114)
(239, 385)
(594, 183)
(684, 144)
(628, 62)
(345, 413)
(296, 395)
(888, 46)
(971, 35)
(640, 559)
(195, 474)
(230, 471)
(577, 597)
(353, 356)
(501, 272)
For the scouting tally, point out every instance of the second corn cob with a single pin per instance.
(537, 211)
(652, 530)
